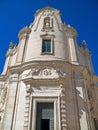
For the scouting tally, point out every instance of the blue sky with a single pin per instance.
(81, 14)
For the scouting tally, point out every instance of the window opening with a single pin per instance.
(46, 46)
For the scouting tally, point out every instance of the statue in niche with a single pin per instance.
(47, 23)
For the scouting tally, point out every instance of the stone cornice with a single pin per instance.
(46, 81)
(29, 65)
(61, 64)
(47, 35)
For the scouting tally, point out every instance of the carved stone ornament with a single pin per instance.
(48, 73)
(3, 93)
(62, 92)
(47, 24)
(45, 73)
(48, 13)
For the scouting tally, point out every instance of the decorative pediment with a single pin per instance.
(45, 73)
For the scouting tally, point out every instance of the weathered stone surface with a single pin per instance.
(62, 76)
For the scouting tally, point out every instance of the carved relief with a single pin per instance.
(45, 73)
(48, 13)
(48, 73)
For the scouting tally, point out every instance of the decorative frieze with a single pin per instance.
(45, 73)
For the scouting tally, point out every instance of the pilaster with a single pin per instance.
(11, 102)
(27, 108)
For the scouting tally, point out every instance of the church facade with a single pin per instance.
(48, 82)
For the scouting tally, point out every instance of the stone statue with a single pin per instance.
(47, 22)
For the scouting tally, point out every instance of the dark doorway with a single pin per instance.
(45, 116)
(45, 124)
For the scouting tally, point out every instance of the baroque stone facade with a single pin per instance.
(48, 80)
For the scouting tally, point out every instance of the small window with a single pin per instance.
(46, 46)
